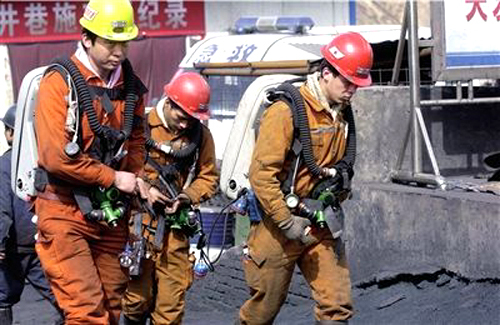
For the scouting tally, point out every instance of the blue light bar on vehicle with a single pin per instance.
(292, 24)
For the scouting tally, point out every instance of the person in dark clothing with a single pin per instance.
(18, 259)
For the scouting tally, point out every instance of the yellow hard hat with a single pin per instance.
(110, 19)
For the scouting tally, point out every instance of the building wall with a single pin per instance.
(221, 15)
(371, 12)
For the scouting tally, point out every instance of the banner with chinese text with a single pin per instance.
(471, 29)
(39, 21)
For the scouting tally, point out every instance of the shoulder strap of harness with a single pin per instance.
(302, 147)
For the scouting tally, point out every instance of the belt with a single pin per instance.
(52, 196)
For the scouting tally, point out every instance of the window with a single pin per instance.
(226, 93)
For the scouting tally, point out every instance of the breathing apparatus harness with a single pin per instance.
(187, 219)
(186, 157)
(96, 203)
(334, 181)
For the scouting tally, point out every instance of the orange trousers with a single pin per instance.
(160, 289)
(80, 259)
(269, 266)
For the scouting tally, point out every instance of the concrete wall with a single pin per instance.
(381, 115)
(461, 135)
(394, 229)
(403, 229)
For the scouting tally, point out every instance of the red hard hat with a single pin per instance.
(352, 56)
(191, 92)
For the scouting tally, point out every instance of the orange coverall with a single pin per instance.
(80, 257)
(169, 273)
(271, 257)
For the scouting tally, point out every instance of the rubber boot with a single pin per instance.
(128, 321)
(6, 316)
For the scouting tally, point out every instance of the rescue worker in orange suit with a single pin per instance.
(80, 161)
(283, 238)
(183, 153)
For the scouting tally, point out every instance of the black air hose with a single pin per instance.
(350, 151)
(302, 123)
(150, 143)
(186, 152)
(131, 97)
(84, 97)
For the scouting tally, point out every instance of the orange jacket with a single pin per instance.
(205, 182)
(50, 118)
(271, 157)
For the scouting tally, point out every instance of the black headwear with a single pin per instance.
(9, 119)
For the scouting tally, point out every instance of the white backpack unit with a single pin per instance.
(239, 148)
(24, 148)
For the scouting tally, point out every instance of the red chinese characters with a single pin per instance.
(476, 7)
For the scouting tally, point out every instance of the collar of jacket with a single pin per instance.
(310, 99)
(91, 78)
(153, 119)
(316, 104)
(160, 111)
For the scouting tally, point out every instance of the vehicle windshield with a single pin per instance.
(226, 93)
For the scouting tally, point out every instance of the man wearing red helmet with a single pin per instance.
(182, 152)
(284, 238)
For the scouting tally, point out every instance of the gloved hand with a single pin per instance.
(295, 228)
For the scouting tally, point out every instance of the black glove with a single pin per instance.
(343, 167)
(295, 228)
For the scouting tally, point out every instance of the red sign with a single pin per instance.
(39, 21)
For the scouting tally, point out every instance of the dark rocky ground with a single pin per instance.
(439, 298)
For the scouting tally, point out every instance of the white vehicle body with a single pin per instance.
(226, 47)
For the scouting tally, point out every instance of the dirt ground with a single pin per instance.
(440, 298)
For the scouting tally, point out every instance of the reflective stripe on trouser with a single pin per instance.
(169, 275)
(269, 268)
(80, 259)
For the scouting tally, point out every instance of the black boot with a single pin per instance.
(128, 321)
(6, 316)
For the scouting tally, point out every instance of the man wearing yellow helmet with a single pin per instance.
(79, 235)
